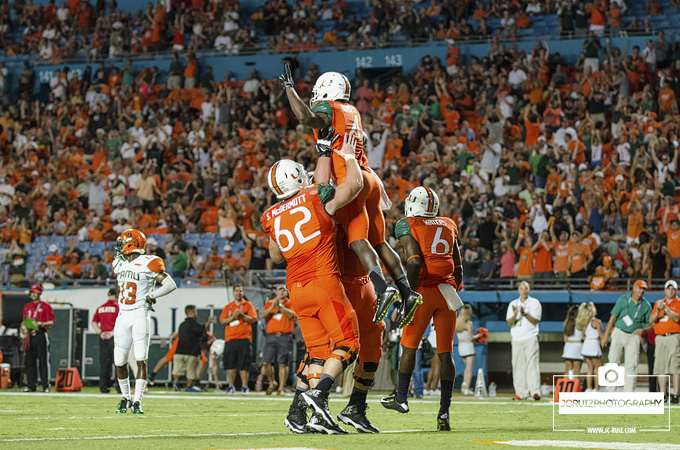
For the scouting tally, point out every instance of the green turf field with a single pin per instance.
(213, 420)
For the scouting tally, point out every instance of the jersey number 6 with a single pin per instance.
(128, 293)
(437, 241)
(297, 229)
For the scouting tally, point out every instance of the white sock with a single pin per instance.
(139, 390)
(124, 387)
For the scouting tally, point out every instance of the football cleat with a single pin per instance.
(390, 402)
(124, 405)
(384, 302)
(175, 387)
(193, 389)
(137, 408)
(443, 422)
(318, 401)
(356, 416)
(317, 424)
(674, 399)
(409, 306)
(230, 390)
(297, 417)
(245, 390)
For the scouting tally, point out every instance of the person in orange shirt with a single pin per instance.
(525, 270)
(54, 258)
(190, 71)
(579, 257)
(635, 221)
(604, 275)
(673, 244)
(278, 344)
(238, 317)
(543, 257)
(562, 248)
(666, 319)
(598, 17)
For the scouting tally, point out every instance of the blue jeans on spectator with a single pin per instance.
(418, 382)
(177, 276)
(675, 264)
(540, 181)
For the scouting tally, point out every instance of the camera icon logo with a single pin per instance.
(611, 374)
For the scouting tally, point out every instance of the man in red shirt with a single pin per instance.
(38, 318)
(103, 322)
(278, 344)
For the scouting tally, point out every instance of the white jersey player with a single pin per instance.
(136, 276)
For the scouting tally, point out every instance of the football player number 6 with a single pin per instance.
(128, 293)
(296, 234)
(437, 241)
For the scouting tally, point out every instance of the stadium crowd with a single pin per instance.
(550, 170)
(77, 29)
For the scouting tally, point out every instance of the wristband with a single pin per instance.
(414, 256)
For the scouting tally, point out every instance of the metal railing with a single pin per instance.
(270, 278)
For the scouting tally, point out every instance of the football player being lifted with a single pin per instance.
(362, 219)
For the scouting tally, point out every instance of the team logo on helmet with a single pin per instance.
(422, 201)
(132, 241)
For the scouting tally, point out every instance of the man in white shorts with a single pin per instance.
(136, 276)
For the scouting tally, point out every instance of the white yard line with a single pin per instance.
(588, 445)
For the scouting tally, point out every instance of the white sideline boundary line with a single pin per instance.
(169, 435)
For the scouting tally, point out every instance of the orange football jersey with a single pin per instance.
(305, 234)
(436, 237)
(346, 119)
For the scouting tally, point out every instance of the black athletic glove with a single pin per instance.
(324, 141)
(287, 77)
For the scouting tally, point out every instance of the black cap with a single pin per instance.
(112, 291)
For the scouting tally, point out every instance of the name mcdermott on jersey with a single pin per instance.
(129, 274)
(292, 203)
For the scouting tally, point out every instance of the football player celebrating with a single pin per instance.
(362, 219)
(303, 233)
(434, 265)
(136, 276)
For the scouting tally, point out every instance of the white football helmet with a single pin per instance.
(217, 348)
(422, 202)
(287, 177)
(331, 86)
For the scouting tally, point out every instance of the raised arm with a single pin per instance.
(301, 110)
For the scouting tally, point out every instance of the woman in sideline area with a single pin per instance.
(466, 346)
(586, 320)
(573, 341)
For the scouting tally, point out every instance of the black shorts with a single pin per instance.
(277, 349)
(237, 354)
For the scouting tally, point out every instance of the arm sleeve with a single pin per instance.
(326, 193)
(509, 314)
(537, 310)
(252, 312)
(402, 228)
(618, 306)
(323, 107)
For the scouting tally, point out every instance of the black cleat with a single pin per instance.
(443, 422)
(674, 400)
(124, 405)
(356, 416)
(137, 408)
(297, 417)
(409, 306)
(384, 302)
(317, 424)
(318, 401)
(390, 402)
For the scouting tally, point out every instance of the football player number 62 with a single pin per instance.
(296, 234)
(128, 293)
